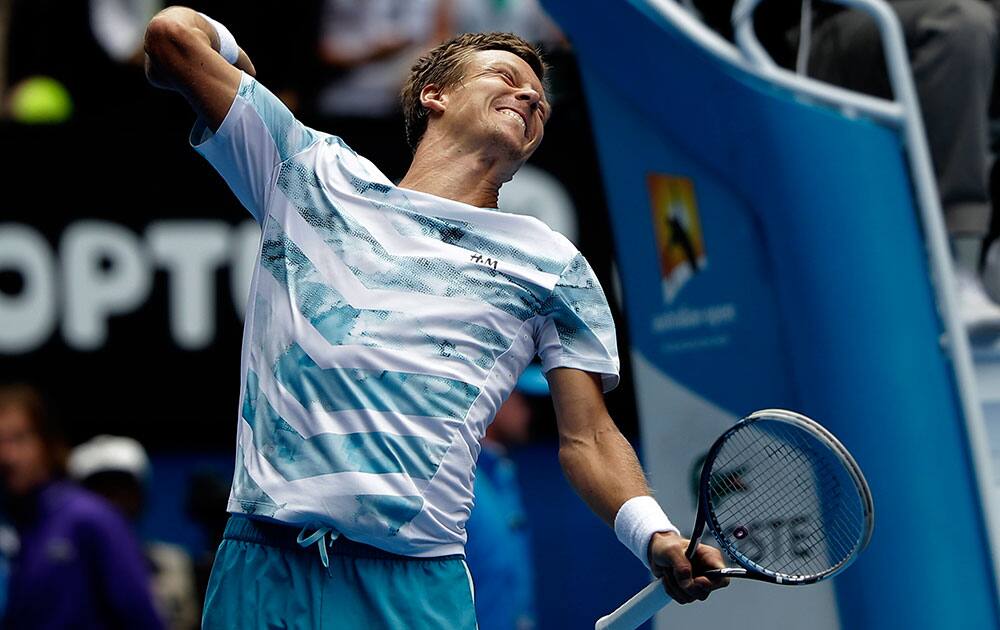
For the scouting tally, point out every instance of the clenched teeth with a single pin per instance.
(513, 115)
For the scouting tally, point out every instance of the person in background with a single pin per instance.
(953, 48)
(499, 548)
(117, 468)
(366, 48)
(78, 564)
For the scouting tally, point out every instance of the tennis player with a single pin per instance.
(386, 325)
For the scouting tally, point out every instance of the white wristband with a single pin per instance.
(636, 522)
(228, 48)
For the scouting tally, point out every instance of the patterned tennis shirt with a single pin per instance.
(384, 328)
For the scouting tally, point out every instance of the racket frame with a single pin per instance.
(644, 604)
(706, 519)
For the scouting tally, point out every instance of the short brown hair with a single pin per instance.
(30, 400)
(444, 66)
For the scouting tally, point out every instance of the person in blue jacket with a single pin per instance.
(76, 563)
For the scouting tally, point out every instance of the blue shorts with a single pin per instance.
(263, 579)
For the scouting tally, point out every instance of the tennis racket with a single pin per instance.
(784, 500)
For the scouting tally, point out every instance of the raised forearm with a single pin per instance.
(198, 58)
(602, 467)
(174, 38)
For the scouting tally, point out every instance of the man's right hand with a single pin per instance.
(683, 579)
(180, 56)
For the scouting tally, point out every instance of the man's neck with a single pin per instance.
(454, 172)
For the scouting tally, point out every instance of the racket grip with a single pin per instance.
(636, 610)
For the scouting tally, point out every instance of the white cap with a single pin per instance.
(108, 453)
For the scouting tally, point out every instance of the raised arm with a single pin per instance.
(182, 54)
(602, 467)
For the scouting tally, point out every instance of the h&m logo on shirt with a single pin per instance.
(479, 259)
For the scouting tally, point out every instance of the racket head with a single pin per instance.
(784, 499)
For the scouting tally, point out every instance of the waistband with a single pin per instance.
(283, 536)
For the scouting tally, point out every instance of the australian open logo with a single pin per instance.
(679, 237)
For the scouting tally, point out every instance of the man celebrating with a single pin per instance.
(386, 325)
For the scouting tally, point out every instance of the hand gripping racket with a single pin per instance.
(785, 501)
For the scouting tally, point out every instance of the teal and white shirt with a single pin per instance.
(384, 329)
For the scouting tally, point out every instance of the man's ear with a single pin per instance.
(432, 98)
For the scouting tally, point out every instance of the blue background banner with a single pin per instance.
(815, 271)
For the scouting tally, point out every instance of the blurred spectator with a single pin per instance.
(953, 46)
(119, 26)
(366, 48)
(78, 563)
(117, 468)
(499, 549)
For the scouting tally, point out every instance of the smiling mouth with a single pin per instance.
(516, 116)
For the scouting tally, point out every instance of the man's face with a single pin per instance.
(24, 462)
(501, 102)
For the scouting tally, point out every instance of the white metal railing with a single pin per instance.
(911, 124)
(902, 113)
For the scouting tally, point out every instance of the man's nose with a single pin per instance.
(530, 95)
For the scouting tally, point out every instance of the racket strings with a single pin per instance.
(782, 500)
(774, 489)
(782, 513)
(781, 505)
(785, 500)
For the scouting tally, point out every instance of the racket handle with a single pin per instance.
(637, 610)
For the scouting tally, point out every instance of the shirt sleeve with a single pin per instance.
(257, 135)
(577, 330)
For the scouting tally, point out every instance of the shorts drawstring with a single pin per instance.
(320, 537)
